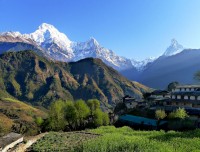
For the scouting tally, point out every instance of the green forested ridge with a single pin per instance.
(32, 78)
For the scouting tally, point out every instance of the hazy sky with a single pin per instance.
(131, 28)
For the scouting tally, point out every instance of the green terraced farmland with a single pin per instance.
(111, 139)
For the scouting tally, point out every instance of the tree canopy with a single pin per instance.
(179, 113)
(160, 114)
(68, 115)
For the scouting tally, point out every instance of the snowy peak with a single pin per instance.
(174, 48)
(93, 42)
(16, 37)
(141, 65)
(47, 33)
(13, 34)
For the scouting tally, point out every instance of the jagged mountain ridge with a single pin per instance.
(58, 46)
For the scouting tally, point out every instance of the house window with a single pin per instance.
(187, 89)
(178, 97)
(173, 97)
(178, 90)
(186, 97)
(192, 89)
(192, 97)
(198, 98)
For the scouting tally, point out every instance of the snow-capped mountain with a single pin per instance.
(15, 37)
(174, 48)
(140, 65)
(92, 48)
(59, 47)
(47, 33)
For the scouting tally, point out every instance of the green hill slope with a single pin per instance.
(32, 78)
(18, 116)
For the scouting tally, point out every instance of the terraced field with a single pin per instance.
(62, 141)
(111, 139)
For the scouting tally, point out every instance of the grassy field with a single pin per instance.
(123, 139)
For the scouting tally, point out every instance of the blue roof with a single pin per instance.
(140, 120)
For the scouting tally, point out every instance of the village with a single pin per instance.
(141, 113)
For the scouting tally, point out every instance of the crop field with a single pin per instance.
(62, 141)
(111, 139)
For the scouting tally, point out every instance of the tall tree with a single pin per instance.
(93, 104)
(98, 118)
(70, 114)
(82, 111)
(56, 116)
(106, 119)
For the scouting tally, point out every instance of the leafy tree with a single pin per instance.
(82, 111)
(172, 85)
(39, 121)
(71, 114)
(93, 104)
(74, 115)
(98, 118)
(160, 114)
(106, 119)
(56, 119)
(179, 113)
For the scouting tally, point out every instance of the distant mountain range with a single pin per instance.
(154, 72)
(176, 64)
(57, 46)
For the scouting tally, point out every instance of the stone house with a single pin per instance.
(129, 102)
(186, 96)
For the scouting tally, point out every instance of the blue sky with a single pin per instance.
(131, 28)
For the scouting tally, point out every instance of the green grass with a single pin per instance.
(123, 140)
(57, 141)
(22, 104)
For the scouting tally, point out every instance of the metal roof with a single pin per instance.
(140, 120)
(188, 86)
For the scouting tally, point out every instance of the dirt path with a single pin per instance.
(31, 140)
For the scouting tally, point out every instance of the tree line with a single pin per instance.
(78, 115)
